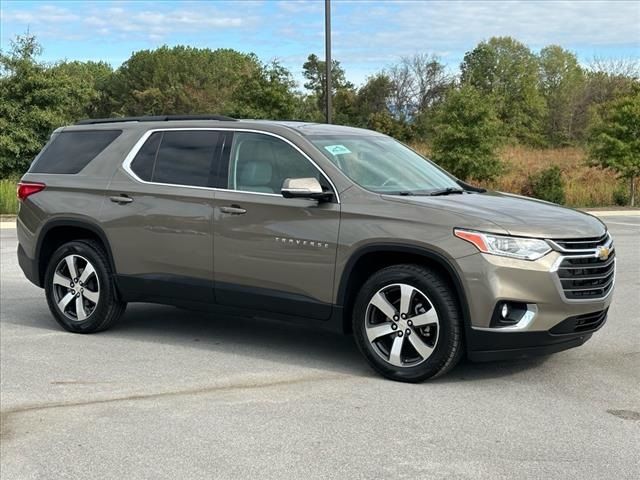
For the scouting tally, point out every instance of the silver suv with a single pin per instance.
(338, 227)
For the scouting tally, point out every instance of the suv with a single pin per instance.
(328, 225)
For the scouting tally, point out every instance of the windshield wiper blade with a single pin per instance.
(445, 191)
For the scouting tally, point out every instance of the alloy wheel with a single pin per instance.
(76, 287)
(402, 325)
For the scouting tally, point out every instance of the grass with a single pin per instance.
(8, 199)
(584, 186)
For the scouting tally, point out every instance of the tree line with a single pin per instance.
(505, 94)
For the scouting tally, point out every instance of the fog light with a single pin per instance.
(505, 310)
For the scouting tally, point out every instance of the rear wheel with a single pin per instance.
(79, 288)
(407, 323)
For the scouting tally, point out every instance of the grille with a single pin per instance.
(581, 323)
(582, 243)
(585, 276)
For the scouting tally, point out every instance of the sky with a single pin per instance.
(367, 35)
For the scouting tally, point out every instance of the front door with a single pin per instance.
(273, 253)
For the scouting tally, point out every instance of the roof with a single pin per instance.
(303, 128)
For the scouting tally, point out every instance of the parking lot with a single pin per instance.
(173, 394)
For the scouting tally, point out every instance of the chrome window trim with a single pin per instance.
(126, 163)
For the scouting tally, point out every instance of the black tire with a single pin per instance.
(448, 347)
(107, 309)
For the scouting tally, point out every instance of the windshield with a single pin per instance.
(383, 165)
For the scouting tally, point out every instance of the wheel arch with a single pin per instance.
(58, 231)
(372, 258)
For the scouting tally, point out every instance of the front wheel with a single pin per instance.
(407, 323)
(80, 289)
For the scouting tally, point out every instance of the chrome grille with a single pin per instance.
(581, 273)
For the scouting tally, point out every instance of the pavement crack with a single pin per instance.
(247, 385)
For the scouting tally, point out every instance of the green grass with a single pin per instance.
(8, 199)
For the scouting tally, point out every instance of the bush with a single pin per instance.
(547, 185)
(8, 199)
(621, 196)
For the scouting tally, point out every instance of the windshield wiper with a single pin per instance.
(445, 191)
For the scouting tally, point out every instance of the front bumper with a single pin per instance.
(490, 280)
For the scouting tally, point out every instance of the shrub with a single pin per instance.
(621, 196)
(547, 185)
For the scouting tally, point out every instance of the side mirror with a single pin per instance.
(304, 188)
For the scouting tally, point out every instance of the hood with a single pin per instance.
(520, 216)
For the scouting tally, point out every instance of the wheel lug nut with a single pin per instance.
(399, 334)
(407, 331)
(409, 322)
(395, 318)
(73, 292)
(404, 316)
(394, 326)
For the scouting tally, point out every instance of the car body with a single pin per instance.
(222, 234)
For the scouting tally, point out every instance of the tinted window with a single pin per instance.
(70, 152)
(178, 157)
(186, 158)
(142, 165)
(261, 163)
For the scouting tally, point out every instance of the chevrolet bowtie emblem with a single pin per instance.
(602, 253)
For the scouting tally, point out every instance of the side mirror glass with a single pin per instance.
(304, 188)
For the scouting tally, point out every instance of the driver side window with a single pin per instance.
(261, 163)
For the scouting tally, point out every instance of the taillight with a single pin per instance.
(26, 189)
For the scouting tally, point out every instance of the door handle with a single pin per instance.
(121, 199)
(233, 210)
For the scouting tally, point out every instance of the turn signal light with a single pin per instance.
(26, 189)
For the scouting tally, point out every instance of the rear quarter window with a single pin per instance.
(70, 152)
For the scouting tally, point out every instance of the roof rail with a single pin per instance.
(155, 118)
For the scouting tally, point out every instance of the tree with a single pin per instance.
(183, 80)
(36, 99)
(314, 70)
(615, 138)
(466, 135)
(508, 71)
(562, 82)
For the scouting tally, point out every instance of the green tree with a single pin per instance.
(466, 135)
(184, 80)
(615, 138)
(508, 71)
(36, 98)
(562, 83)
(314, 71)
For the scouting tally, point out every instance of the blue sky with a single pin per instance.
(367, 35)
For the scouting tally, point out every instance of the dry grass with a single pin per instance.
(584, 186)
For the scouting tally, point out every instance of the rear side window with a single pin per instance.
(70, 152)
(178, 157)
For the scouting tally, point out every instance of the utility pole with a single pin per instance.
(327, 56)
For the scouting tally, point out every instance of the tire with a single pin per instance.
(100, 306)
(426, 342)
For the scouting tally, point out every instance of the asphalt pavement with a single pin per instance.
(170, 394)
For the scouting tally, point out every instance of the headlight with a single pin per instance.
(514, 247)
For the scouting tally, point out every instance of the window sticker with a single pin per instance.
(337, 149)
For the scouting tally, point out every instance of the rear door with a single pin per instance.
(158, 216)
(273, 253)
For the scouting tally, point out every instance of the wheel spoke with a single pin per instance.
(71, 265)
(396, 349)
(62, 304)
(406, 293)
(428, 318)
(89, 295)
(376, 331)
(87, 272)
(59, 279)
(80, 313)
(422, 348)
(381, 302)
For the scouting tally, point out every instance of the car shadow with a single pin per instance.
(266, 340)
